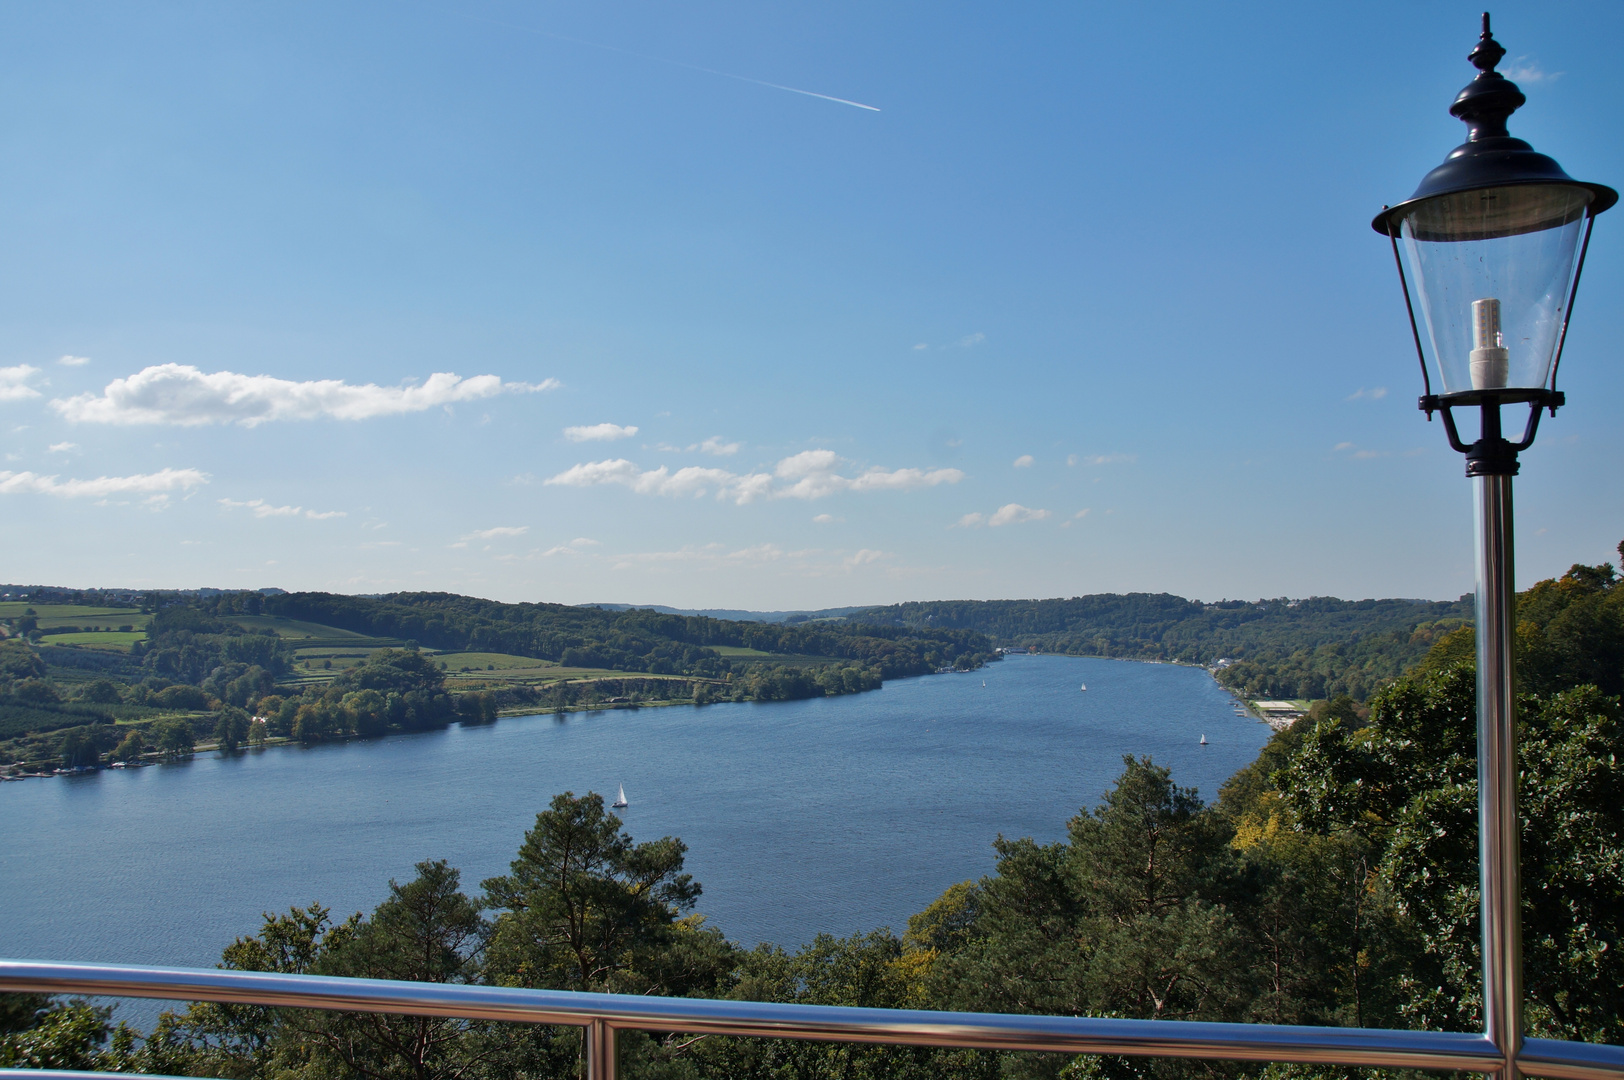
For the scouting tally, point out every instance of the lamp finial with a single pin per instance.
(1489, 52)
(1490, 99)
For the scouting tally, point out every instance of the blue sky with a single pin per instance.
(547, 302)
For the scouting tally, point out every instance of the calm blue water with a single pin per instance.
(838, 815)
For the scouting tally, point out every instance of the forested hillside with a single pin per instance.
(634, 640)
(239, 667)
(1320, 647)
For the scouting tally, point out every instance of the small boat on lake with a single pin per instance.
(1203, 739)
(1085, 688)
(621, 803)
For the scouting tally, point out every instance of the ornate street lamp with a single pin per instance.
(1490, 248)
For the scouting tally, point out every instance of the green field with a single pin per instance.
(738, 650)
(110, 641)
(11, 609)
(295, 630)
(457, 663)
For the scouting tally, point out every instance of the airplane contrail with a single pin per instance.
(664, 60)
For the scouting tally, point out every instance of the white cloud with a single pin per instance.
(14, 382)
(599, 432)
(921, 347)
(27, 483)
(1015, 514)
(1079, 515)
(263, 509)
(1524, 70)
(182, 395)
(63, 447)
(73, 361)
(808, 475)
(824, 519)
(814, 476)
(1102, 459)
(499, 531)
(715, 445)
(1375, 393)
(1342, 446)
(1008, 514)
(862, 556)
(1024, 461)
(972, 341)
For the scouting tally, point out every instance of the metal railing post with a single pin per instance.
(599, 1039)
(1498, 834)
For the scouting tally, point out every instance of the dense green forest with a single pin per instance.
(1316, 648)
(634, 640)
(1333, 882)
(212, 669)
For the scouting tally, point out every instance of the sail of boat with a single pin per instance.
(620, 800)
(1085, 688)
(1203, 739)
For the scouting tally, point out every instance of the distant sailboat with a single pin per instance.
(983, 682)
(620, 800)
(1203, 743)
(1085, 688)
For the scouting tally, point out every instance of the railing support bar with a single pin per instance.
(599, 1038)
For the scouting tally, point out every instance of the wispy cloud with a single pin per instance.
(599, 432)
(27, 483)
(1015, 514)
(811, 474)
(499, 531)
(1375, 393)
(182, 395)
(1101, 459)
(1024, 461)
(715, 446)
(14, 382)
(1008, 514)
(863, 556)
(969, 341)
(262, 509)
(62, 447)
(1342, 446)
(1526, 70)
(73, 361)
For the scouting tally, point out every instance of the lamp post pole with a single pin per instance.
(1498, 854)
(1495, 240)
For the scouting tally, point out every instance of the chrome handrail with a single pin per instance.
(603, 1014)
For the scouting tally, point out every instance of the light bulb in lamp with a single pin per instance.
(1490, 361)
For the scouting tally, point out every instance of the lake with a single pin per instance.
(834, 815)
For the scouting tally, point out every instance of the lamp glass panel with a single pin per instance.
(1491, 272)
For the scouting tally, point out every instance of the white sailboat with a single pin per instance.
(1203, 739)
(983, 682)
(620, 800)
(1085, 688)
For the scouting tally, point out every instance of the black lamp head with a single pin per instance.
(1490, 157)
